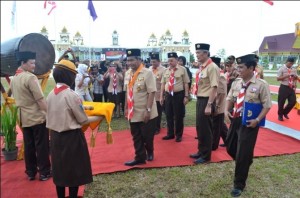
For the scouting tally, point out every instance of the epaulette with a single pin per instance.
(237, 79)
(264, 81)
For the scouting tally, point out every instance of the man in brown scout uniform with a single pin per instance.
(140, 107)
(207, 80)
(175, 82)
(218, 119)
(241, 139)
(288, 77)
(32, 104)
(114, 89)
(158, 71)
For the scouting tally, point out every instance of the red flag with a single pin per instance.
(269, 2)
(52, 5)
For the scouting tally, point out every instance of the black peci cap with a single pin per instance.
(245, 59)
(133, 52)
(154, 55)
(172, 55)
(216, 60)
(202, 46)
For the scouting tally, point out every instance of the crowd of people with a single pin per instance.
(142, 94)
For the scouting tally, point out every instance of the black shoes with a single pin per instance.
(157, 132)
(168, 137)
(280, 118)
(134, 162)
(222, 145)
(31, 178)
(45, 177)
(286, 116)
(200, 161)
(178, 139)
(236, 192)
(150, 157)
(195, 155)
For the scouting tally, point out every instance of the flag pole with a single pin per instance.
(90, 42)
(260, 29)
(94, 17)
(55, 35)
(14, 18)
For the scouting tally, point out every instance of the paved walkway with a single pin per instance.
(283, 130)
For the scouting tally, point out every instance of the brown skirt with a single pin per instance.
(71, 164)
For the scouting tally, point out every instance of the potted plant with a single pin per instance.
(8, 128)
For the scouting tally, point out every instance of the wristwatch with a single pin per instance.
(149, 109)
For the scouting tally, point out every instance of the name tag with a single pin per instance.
(254, 89)
(141, 79)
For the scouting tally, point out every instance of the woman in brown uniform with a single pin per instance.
(69, 152)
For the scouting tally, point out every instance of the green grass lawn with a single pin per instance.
(276, 176)
(272, 80)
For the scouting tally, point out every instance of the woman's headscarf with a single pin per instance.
(82, 69)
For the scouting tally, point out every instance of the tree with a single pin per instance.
(221, 54)
(192, 58)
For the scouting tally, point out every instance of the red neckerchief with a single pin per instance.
(291, 80)
(198, 77)
(238, 105)
(172, 80)
(57, 90)
(115, 84)
(19, 71)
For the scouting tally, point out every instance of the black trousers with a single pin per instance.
(158, 118)
(240, 144)
(286, 93)
(174, 109)
(122, 100)
(105, 93)
(218, 124)
(97, 97)
(224, 132)
(143, 136)
(36, 149)
(204, 127)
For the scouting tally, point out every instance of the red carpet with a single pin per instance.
(292, 123)
(110, 158)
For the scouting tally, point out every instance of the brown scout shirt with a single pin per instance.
(119, 82)
(221, 94)
(143, 86)
(209, 78)
(27, 91)
(158, 76)
(284, 71)
(181, 77)
(65, 111)
(257, 92)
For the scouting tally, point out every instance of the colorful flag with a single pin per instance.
(269, 2)
(92, 10)
(13, 15)
(51, 6)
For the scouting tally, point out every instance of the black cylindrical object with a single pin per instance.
(35, 42)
